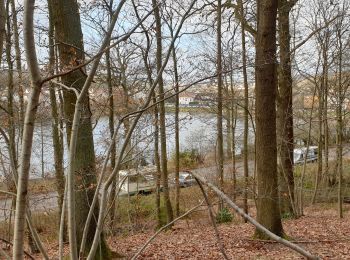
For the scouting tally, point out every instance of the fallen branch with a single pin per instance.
(273, 236)
(211, 215)
(164, 227)
(303, 241)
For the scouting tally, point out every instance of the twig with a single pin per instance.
(164, 227)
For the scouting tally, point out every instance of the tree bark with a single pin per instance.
(71, 53)
(177, 137)
(57, 138)
(18, 64)
(246, 107)
(162, 126)
(285, 113)
(28, 131)
(111, 133)
(268, 213)
(220, 139)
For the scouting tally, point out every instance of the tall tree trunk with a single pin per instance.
(71, 53)
(246, 107)
(10, 89)
(320, 140)
(27, 138)
(2, 24)
(325, 115)
(285, 113)
(268, 213)
(162, 126)
(220, 140)
(177, 138)
(55, 123)
(18, 64)
(157, 160)
(111, 133)
(340, 149)
(339, 116)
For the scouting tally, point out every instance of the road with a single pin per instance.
(47, 202)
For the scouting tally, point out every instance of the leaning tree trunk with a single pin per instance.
(268, 213)
(68, 30)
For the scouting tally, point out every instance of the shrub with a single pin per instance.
(224, 216)
(189, 159)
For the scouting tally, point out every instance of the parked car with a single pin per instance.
(186, 179)
(300, 153)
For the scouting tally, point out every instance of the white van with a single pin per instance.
(300, 153)
(137, 181)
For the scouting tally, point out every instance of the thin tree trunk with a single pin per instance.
(246, 107)
(55, 124)
(285, 113)
(233, 144)
(177, 138)
(111, 132)
(2, 24)
(27, 139)
(18, 64)
(157, 160)
(340, 127)
(320, 141)
(220, 140)
(300, 210)
(162, 126)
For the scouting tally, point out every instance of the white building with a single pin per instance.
(185, 98)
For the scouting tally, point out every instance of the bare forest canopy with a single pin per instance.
(119, 117)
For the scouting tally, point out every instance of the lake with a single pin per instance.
(197, 131)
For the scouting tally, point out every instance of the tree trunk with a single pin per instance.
(220, 141)
(162, 126)
(111, 133)
(339, 115)
(18, 64)
(68, 31)
(320, 140)
(55, 124)
(268, 213)
(285, 113)
(177, 138)
(246, 107)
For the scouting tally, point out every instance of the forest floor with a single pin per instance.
(320, 231)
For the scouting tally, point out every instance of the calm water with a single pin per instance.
(197, 131)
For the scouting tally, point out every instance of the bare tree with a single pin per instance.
(268, 213)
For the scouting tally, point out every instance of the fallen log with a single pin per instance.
(273, 236)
